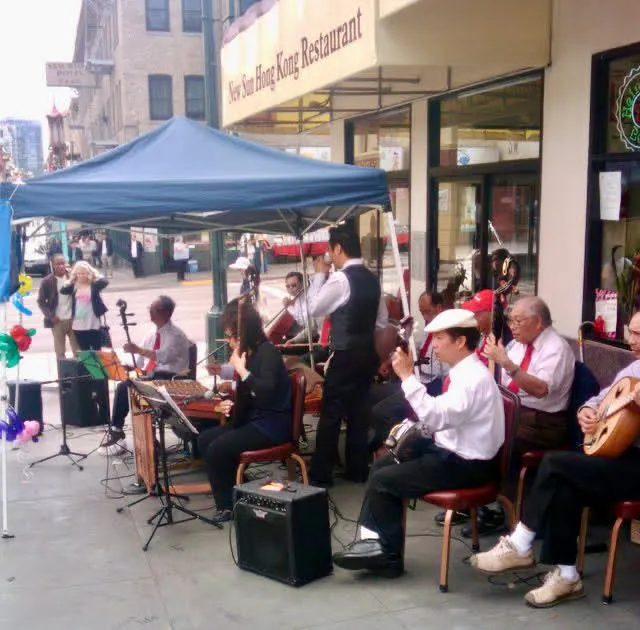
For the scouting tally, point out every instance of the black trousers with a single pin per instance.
(566, 482)
(120, 408)
(432, 469)
(181, 268)
(88, 339)
(346, 386)
(221, 447)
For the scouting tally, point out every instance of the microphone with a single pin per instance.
(208, 395)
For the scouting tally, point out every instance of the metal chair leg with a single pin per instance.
(475, 540)
(607, 596)
(520, 495)
(446, 548)
(582, 540)
(240, 474)
(303, 467)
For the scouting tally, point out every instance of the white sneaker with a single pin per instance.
(502, 558)
(555, 590)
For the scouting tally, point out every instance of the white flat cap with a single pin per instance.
(452, 318)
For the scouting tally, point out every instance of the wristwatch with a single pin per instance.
(513, 371)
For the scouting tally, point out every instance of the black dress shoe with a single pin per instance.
(369, 554)
(222, 516)
(458, 518)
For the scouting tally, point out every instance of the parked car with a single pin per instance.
(36, 264)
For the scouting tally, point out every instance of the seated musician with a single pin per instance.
(262, 407)
(296, 305)
(164, 354)
(538, 366)
(387, 400)
(565, 483)
(481, 305)
(458, 435)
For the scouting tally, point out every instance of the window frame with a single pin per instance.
(151, 79)
(200, 79)
(166, 24)
(189, 14)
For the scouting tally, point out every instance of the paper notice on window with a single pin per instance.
(610, 195)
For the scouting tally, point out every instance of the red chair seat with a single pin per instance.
(532, 459)
(463, 499)
(627, 510)
(266, 454)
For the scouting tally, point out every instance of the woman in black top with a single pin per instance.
(261, 411)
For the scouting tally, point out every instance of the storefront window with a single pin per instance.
(492, 125)
(612, 293)
(384, 141)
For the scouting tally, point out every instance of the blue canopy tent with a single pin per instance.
(185, 177)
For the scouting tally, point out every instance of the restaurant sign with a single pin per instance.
(628, 110)
(295, 48)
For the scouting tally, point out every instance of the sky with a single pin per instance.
(33, 32)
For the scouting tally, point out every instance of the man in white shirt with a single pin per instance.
(352, 297)
(539, 366)
(57, 307)
(164, 354)
(296, 305)
(181, 257)
(458, 435)
(567, 481)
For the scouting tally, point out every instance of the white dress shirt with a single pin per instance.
(632, 370)
(553, 362)
(298, 310)
(326, 295)
(173, 354)
(468, 419)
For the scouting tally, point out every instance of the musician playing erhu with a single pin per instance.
(565, 483)
(164, 353)
(262, 407)
(296, 305)
(351, 296)
(459, 434)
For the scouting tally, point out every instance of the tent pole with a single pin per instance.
(307, 322)
(4, 397)
(391, 229)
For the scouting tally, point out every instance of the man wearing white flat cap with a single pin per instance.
(456, 438)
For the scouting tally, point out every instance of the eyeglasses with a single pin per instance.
(518, 321)
(292, 286)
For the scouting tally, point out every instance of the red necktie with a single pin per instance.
(425, 346)
(151, 366)
(325, 333)
(446, 383)
(524, 366)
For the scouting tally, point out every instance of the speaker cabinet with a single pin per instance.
(283, 535)
(84, 402)
(29, 400)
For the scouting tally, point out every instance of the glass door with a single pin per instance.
(458, 250)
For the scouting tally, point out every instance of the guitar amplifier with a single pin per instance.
(84, 402)
(283, 533)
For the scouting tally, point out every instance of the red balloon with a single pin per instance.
(23, 343)
(18, 331)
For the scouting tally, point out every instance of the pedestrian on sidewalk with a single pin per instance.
(136, 256)
(84, 287)
(57, 307)
(180, 257)
(106, 255)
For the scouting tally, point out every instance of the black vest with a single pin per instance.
(353, 324)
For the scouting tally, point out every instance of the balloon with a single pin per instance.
(31, 332)
(9, 350)
(23, 343)
(26, 283)
(32, 427)
(18, 331)
(16, 300)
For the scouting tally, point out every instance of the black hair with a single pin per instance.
(167, 304)
(252, 333)
(436, 298)
(471, 335)
(347, 239)
(295, 274)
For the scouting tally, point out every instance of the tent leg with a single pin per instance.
(307, 323)
(391, 229)
(4, 395)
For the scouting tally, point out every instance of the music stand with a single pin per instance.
(165, 411)
(97, 370)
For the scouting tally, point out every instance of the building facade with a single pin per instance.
(22, 139)
(500, 125)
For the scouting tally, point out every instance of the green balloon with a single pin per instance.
(9, 350)
(31, 332)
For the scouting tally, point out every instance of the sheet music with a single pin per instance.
(176, 410)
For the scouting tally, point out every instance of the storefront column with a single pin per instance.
(418, 202)
(336, 141)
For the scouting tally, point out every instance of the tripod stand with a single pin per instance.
(165, 411)
(65, 451)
